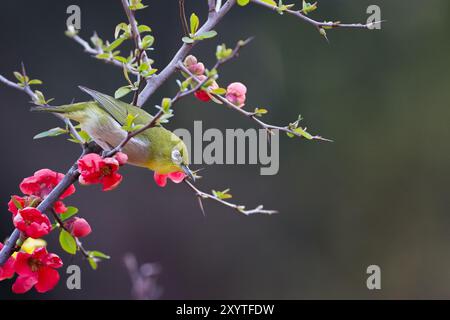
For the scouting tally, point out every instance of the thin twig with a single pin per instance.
(317, 24)
(96, 51)
(240, 208)
(183, 19)
(35, 99)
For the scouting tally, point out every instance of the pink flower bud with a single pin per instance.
(236, 93)
(190, 60)
(197, 69)
(121, 157)
(79, 227)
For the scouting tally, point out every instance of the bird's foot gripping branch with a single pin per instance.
(113, 133)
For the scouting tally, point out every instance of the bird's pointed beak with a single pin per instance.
(187, 171)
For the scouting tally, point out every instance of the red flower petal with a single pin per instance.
(111, 182)
(177, 176)
(21, 265)
(7, 269)
(202, 95)
(59, 207)
(24, 284)
(47, 279)
(52, 260)
(160, 179)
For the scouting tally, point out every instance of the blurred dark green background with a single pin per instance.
(377, 195)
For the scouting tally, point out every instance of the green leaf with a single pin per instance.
(120, 27)
(98, 254)
(223, 52)
(19, 77)
(308, 7)
(67, 242)
(166, 104)
(115, 44)
(143, 28)
(103, 56)
(136, 5)
(260, 111)
(147, 41)
(71, 211)
(303, 133)
(34, 81)
(16, 203)
(121, 92)
(50, 133)
(206, 35)
(219, 91)
(92, 263)
(121, 59)
(187, 40)
(222, 194)
(195, 22)
(271, 2)
(243, 2)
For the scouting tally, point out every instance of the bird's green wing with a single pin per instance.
(119, 110)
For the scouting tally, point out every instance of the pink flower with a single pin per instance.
(78, 227)
(161, 179)
(32, 222)
(42, 183)
(36, 269)
(7, 269)
(202, 94)
(236, 93)
(95, 169)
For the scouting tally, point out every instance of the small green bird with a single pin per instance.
(156, 148)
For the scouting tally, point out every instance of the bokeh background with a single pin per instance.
(378, 195)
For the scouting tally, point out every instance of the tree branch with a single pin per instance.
(252, 115)
(155, 82)
(315, 23)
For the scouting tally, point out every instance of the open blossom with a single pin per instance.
(236, 92)
(36, 269)
(95, 169)
(32, 222)
(202, 94)
(161, 179)
(42, 183)
(78, 227)
(7, 269)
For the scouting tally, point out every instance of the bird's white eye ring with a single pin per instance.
(176, 156)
